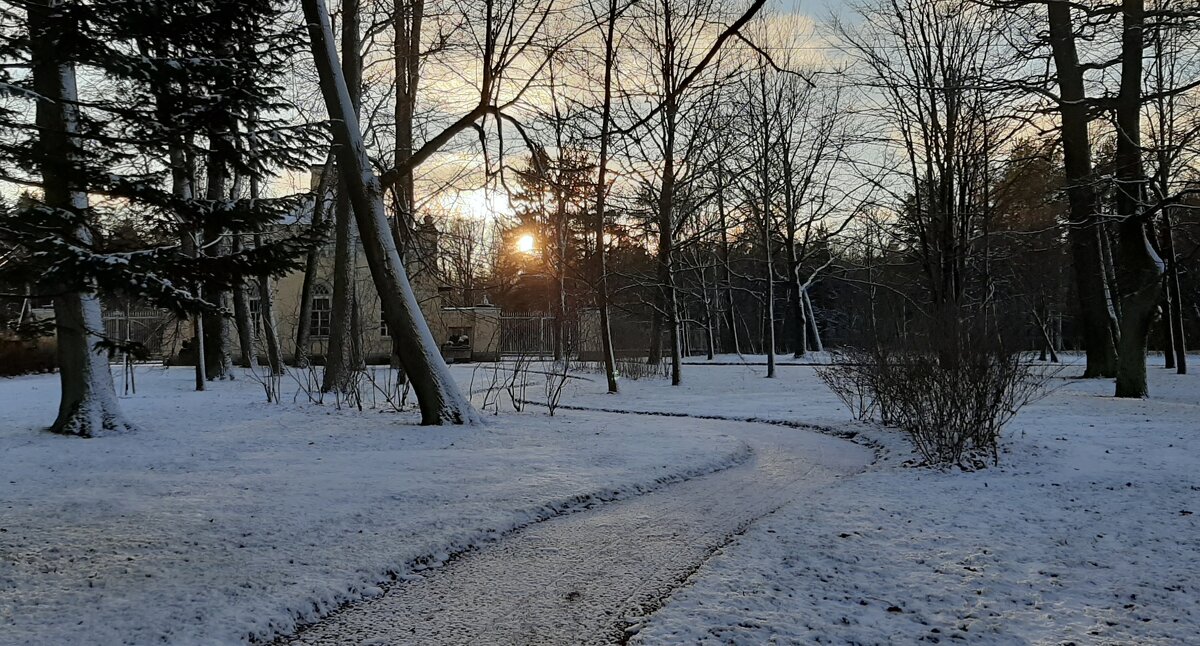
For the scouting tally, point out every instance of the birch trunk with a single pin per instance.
(438, 395)
(88, 404)
(812, 323)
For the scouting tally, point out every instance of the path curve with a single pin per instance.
(588, 577)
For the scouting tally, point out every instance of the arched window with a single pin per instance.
(322, 311)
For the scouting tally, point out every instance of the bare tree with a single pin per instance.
(929, 71)
(438, 395)
(602, 187)
(1090, 279)
(1139, 269)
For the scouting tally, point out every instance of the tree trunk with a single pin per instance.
(266, 295)
(1175, 311)
(247, 357)
(88, 403)
(437, 393)
(729, 337)
(311, 265)
(606, 344)
(710, 339)
(812, 323)
(1167, 326)
(339, 352)
(217, 358)
(339, 364)
(669, 313)
(407, 19)
(218, 326)
(559, 309)
(764, 178)
(666, 211)
(1139, 268)
(799, 319)
(769, 330)
(1081, 195)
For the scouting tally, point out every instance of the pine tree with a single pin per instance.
(130, 145)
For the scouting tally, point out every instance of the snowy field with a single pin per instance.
(1086, 533)
(227, 517)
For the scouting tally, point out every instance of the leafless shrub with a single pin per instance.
(517, 382)
(352, 394)
(631, 368)
(390, 386)
(557, 373)
(308, 384)
(271, 381)
(852, 382)
(951, 393)
(492, 385)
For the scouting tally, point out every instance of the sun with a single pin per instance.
(526, 243)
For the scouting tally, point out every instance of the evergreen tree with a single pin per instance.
(171, 88)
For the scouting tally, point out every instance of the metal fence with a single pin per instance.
(532, 334)
(144, 325)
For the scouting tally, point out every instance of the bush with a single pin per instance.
(629, 368)
(950, 393)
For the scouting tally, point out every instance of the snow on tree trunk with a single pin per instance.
(270, 332)
(88, 405)
(438, 395)
(812, 323)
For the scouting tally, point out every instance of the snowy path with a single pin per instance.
(583, 578)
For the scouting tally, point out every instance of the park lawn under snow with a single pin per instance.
(1086, 533)
(227, 518)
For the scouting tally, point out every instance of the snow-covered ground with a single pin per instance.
(1086, 533)
(226, 517)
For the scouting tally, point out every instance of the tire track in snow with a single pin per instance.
(586, 577)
